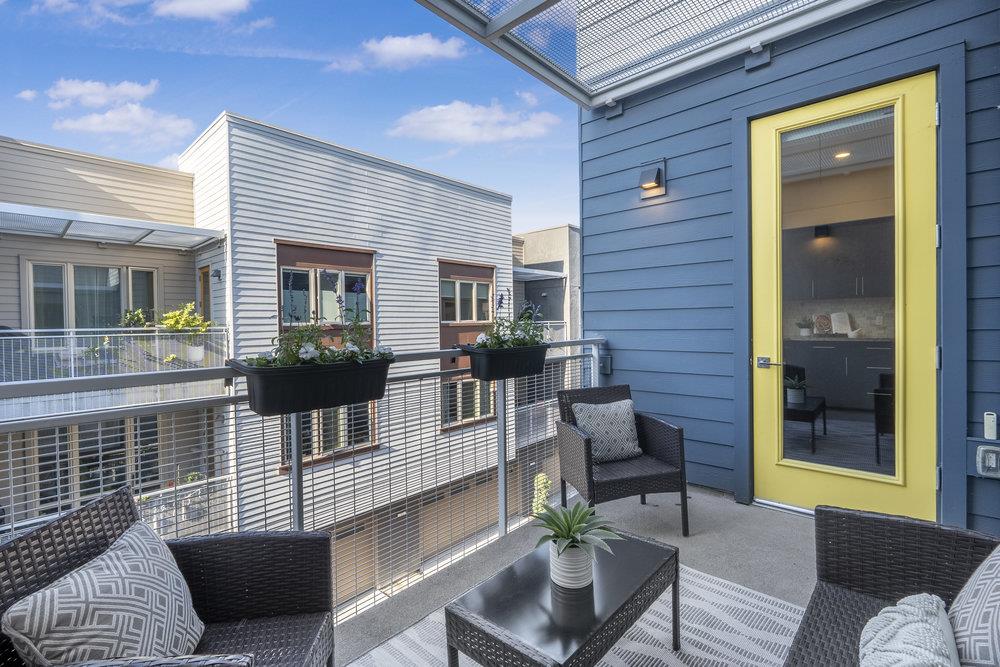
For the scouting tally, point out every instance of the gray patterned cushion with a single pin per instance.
(975, 614)
(611, 427)
(129, 602)
(914, 632)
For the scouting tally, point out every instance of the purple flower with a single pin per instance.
(500, 301)
(359, 287)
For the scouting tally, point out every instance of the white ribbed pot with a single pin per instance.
(571, 569)
(194, 353)
(796, 395)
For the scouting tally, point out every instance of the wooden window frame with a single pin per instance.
(73, 496)
(477, 395)
(458, 282)
(337, 454)
(205, 290)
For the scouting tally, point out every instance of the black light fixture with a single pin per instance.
(821, 231)
(652, 180)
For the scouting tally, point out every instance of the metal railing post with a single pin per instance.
(298, 507)
(502, 457)
(595, 364)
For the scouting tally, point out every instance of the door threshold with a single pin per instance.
(791, 509)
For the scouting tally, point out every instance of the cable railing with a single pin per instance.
(406, 485)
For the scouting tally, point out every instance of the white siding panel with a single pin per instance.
(38, 175)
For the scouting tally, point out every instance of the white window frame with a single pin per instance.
(69, 288)
(458, 282)
(314, 293)
(72, 497)
(459, 388)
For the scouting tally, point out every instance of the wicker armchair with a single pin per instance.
(866, 561)
(660, 468)
(265, 598)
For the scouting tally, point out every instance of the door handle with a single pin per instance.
(765, 362)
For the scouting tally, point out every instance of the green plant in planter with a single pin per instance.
(577, 526)
(305, 344)
(185, 320)
(795, 383)
(509, 331)
(804, 323)
(134, 319)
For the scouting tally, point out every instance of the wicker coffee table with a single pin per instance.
(518, 617)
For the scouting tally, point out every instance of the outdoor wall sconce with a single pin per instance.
(821, 231)
(217, 274)
(652, 180)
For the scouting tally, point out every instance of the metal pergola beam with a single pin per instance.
(493, 34)
(474, 25)
(515, 15)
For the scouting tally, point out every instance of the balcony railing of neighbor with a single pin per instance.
(47, 354)
(408, 484)
(34, 356)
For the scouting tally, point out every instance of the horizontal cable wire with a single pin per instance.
(406, 485)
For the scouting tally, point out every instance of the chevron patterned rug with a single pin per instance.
(722, 623)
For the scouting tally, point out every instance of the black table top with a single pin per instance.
(812, 404)
(557, 621)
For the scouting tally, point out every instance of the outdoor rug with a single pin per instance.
(722, 623)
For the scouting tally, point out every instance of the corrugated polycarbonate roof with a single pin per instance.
(592, 50)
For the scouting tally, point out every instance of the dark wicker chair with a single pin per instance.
(660, 468)
(866, 561)
(266, 595)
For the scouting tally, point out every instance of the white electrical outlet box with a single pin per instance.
(988, 461)
(990, 425)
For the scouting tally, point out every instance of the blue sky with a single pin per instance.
(139, 79)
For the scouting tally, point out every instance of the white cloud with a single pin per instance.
(255, 25)
(213, 10)
(54, 6)
(529, 98)
(97, 94)
(28, 95)
(169, 161)
(134, 120)
(400, 52)
(463, 123)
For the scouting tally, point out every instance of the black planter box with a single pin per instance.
(287, 389)
(506, 362)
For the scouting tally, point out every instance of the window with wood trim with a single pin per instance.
(313, 281)
(465, 400)
(331, 433)
(466, 301)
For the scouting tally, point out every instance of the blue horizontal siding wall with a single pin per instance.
(665, 280)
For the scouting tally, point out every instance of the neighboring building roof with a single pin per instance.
(353, 152)
(58, 223)
(527, 275)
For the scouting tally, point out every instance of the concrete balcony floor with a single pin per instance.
(768, 550)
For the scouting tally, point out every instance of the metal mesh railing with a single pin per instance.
(406, 485)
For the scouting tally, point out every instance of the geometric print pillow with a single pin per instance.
(129, 602)
(611, 427)
(975, 614)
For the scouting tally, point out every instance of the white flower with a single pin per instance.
(480, 339)
(266, 355)
(383, 349)
(308, 352)
(351, 347)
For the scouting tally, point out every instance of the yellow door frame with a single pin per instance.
(912, 490)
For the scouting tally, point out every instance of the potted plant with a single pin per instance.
(303, 372)
(190, 325)
(572, 535)
(805, 325)
(511, 347)
(134, 319)
(795, 389)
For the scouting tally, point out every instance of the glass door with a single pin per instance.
(843, 237)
